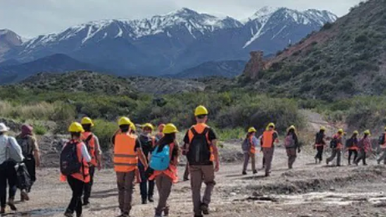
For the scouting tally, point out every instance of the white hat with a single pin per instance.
(3, 127)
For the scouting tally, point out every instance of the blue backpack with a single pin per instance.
(160, 160)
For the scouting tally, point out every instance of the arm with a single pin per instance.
(16, 148)
(176, 153)
(86, 156)
(36, 151)
(98, 152)
(142, 157)
(216, 156)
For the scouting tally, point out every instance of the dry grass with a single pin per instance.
(37, 111)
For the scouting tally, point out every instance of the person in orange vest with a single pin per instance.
(320, 143)
(127, 151)
(352, 146)
(92, 143)
(148, 143)
(160, 133)
(336, 146)
(382, 146)
(78, 179)
(249, 149)
(202, 153)
(165, 178)
(291, 144)
(364, 146)
(268, 139)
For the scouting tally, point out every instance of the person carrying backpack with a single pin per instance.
(320, 143)
(352, 146)
(74, 166)
(127, 151)
(92, 143)
(268, 139)
(336, 147)
(249, 149)
(10, 155)
(164, 161)
(382, 146)
(202, 153)
(364, 147)
(148, 143)
(291, 144)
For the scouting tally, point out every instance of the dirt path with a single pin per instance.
(307, 190)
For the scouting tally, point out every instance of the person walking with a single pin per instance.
(364, 147)
(148, 143)
(75, 153)
(94, 149)
(268, 139)
(203, 159)
(320, 143)
(249, 149)
(164, 162)
(382, 147)
(127, 151)
(10, 154)
(160, 133)
(292, 146)
(336, 146)
(352, 147)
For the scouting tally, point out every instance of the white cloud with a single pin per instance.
(30, 18)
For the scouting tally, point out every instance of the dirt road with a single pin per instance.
(307, 190)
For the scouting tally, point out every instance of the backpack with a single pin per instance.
(289, 141)
(349, 143)
(25, 146)
(319, 138)
(246, 145)
(23, 177)
(160, 160)
(69, 162)
(334, 143)
(381, 139)
(199, 148)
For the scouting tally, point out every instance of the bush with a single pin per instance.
(39, 129)
(104, 130)
(327, 26)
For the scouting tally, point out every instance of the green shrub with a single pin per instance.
(104, 130)
(39, 129)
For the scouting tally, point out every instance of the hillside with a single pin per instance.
(345, 58)
(228, 69)
(8, 40)
(173, 42)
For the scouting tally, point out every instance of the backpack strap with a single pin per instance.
(194, 131)
(87, 141)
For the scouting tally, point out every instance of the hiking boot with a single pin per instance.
(68, 214)
(24, 195)
(11, 204)
(166, 211)
(144, 201)
(244, 173)
(151, 200)
(205, 209)
(254, 171)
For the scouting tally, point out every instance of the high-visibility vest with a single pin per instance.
(268, 139)
(199, 129)
(84, 173)
(125, 155)
(171, 172)
(91, 147)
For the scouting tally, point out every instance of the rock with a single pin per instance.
(332, 189)
(257, 194)
(255, 65)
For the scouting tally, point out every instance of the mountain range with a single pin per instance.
(166, 44)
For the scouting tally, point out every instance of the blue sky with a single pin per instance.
(30, 18)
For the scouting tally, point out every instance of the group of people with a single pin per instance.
(19, 158)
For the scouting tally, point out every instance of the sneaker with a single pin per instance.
(244, 173)
(205, 209)
(254, 171)
(151, 200)
(11, 204)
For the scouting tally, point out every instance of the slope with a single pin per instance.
(227, 69)
(345, 58)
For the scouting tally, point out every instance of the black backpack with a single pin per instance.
(25, 147)
(23, 178)
(199, 149)
(349, 143)
(381, 139)
(319, 138)
(334, 143)
(69, 162)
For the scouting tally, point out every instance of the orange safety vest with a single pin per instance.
(84, 173)
(253, 148)
(268, 139)
(339, 145)
(125, 155)
(199, 129)
(91, 147)
(171, 172)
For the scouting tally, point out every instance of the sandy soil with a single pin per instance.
(307, 190)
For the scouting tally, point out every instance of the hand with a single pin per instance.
(38, 164)
(217, 167)
(99, 167)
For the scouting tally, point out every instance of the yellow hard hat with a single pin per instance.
(149, 125)
(201, 110)
(87, 120)
(322, 128)
(252, 130)
(271, 125)
(340, 131)
(170, 128)
(75, 127)
(132, 126)
(367, 132)
(356, 132)
(292, 127)
(124, 121)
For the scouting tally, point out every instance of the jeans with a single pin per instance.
(88, 186)
(319, 153)
(145, 191)
(76, 200)
(350, 153)
(335, 153)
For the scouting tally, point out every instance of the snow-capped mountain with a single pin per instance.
(8, 40)
(170, 43)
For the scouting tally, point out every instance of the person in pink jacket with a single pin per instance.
(364, 146)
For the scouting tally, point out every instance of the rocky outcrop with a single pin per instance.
(255, 65)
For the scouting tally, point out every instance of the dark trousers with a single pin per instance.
(362, 156)
(335, 153)
(146, 186)
(77, 187)
(30, 164)
(319, 153)
(7, 177)
(351, 153)
(186, 173)
(3, 185)
(88, 186)
(291, 154)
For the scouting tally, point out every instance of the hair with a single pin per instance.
(75, 134)
(322, 131)
(86, 127)
(291, 131)
(166, 139)
(124, 128)
(365, 136)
